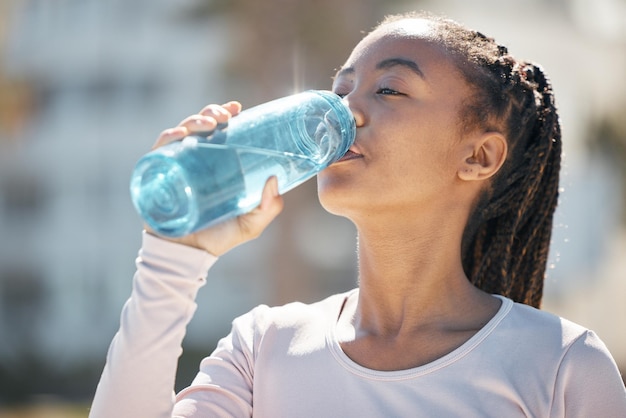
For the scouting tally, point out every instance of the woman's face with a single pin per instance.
(405, 94)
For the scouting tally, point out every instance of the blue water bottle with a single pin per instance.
(188, 185)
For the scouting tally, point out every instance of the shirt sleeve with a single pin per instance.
(589, 383)
(139, 375)
(224, 385)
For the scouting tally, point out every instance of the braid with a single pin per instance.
(506, 242)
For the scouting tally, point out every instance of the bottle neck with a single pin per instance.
(336, 130)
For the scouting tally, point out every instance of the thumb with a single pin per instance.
(255, 222)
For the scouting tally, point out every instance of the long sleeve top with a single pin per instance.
(287, 362)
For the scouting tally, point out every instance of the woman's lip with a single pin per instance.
(350, 155)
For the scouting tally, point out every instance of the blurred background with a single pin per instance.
(86, 86)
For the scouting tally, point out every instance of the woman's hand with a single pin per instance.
(220, 238)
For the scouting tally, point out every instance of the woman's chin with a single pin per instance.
(338, 192)
(335, 201)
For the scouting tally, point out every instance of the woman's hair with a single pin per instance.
(506, 242)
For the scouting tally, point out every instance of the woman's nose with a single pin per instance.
(352, 103)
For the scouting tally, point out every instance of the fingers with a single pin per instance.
(170, 135)
(255, 222)
(202, 123)
(221, 113)
(271, 200)
(233, 107)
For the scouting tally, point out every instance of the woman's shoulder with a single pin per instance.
(548, 331)
(573, 355)
(295, 314)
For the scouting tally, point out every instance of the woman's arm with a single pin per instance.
(139, 375)
(138, 378)
(589, 383)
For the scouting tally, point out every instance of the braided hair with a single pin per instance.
(507, 238)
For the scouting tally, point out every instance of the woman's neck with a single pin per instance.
(411, 275)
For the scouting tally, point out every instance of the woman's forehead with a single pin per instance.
(406, 38)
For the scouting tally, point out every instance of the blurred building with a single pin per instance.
(92, 83)
(86, 86)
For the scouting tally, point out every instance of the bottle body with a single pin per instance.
(197, 182)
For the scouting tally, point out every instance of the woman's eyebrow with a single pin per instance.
(386, 64)
(344, 71)
(402, 62)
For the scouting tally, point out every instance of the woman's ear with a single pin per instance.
(483, 157)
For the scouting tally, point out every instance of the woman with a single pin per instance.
(452, 183)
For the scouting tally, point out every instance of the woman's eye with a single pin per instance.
(388, 91)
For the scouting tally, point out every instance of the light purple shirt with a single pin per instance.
(286, 361)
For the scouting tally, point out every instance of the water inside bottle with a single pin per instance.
(244, 192)
(212, 187)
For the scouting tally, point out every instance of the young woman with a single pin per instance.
(452, 183)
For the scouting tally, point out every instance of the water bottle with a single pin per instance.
(191, 184)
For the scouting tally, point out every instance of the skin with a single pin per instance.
(408, 184)
(409, 189)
